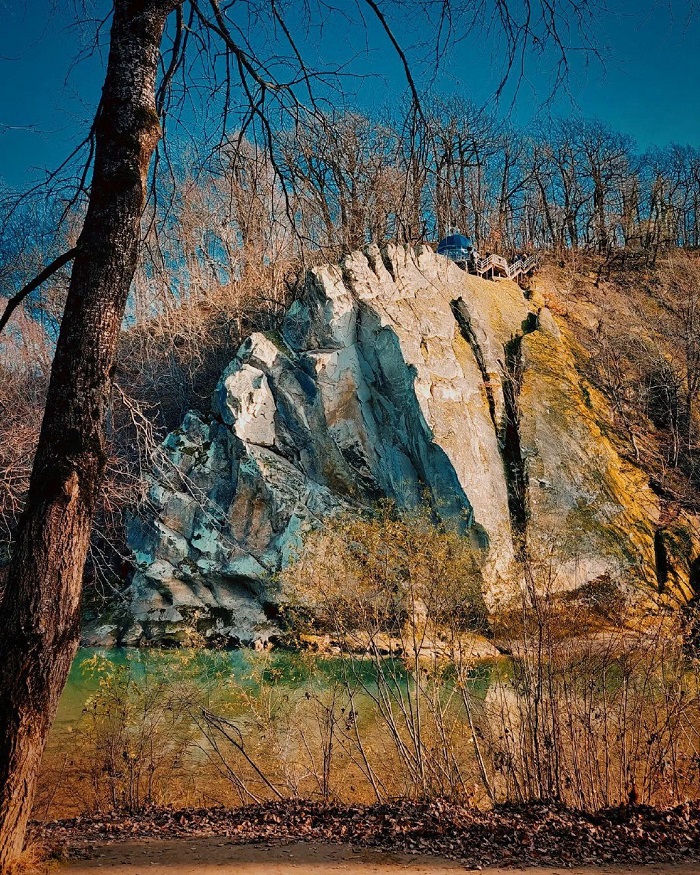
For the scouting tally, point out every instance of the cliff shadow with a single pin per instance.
(417, 469)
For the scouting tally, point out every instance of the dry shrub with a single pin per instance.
(184, 728)
(643, 351)
(131, 743)
(597, 721)
(26, 360)
(599, 707)
(135, 744)
(595, 706)
(172, 361)
(33, 858)
(386, 581)
(406, 595)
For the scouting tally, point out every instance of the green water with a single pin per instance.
(193, 727)
(222, 671)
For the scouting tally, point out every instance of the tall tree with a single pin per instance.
(41, 602)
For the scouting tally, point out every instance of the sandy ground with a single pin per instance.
(216, 856)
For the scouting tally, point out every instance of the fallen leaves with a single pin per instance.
(539, 833)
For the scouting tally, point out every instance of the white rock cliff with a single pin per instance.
(395, 374)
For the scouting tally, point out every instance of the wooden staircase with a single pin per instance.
(498, 265)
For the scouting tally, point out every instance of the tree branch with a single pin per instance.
(17, 299)
(400, 52)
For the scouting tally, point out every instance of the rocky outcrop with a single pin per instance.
(395, 374)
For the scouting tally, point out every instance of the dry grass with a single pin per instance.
(34, 857)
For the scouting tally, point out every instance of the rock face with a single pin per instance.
(398, 375)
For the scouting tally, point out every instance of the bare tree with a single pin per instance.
(40, 604)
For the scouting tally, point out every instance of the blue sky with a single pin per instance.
(648, 86)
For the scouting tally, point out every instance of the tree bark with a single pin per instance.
(40, 607)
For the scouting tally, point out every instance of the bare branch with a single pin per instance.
(47, 272)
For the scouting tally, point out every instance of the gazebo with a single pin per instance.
(456, 247)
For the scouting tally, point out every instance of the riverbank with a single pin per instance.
(211, 856)
(524, 835)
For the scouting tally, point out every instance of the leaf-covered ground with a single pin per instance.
(534, 834)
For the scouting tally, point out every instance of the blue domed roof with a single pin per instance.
(454, 241)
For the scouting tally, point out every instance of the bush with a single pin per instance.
(387, 581)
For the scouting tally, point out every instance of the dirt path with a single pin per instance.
(216, 856)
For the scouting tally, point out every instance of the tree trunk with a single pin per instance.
(40, 607)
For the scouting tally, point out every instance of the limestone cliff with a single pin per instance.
(395, 374)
